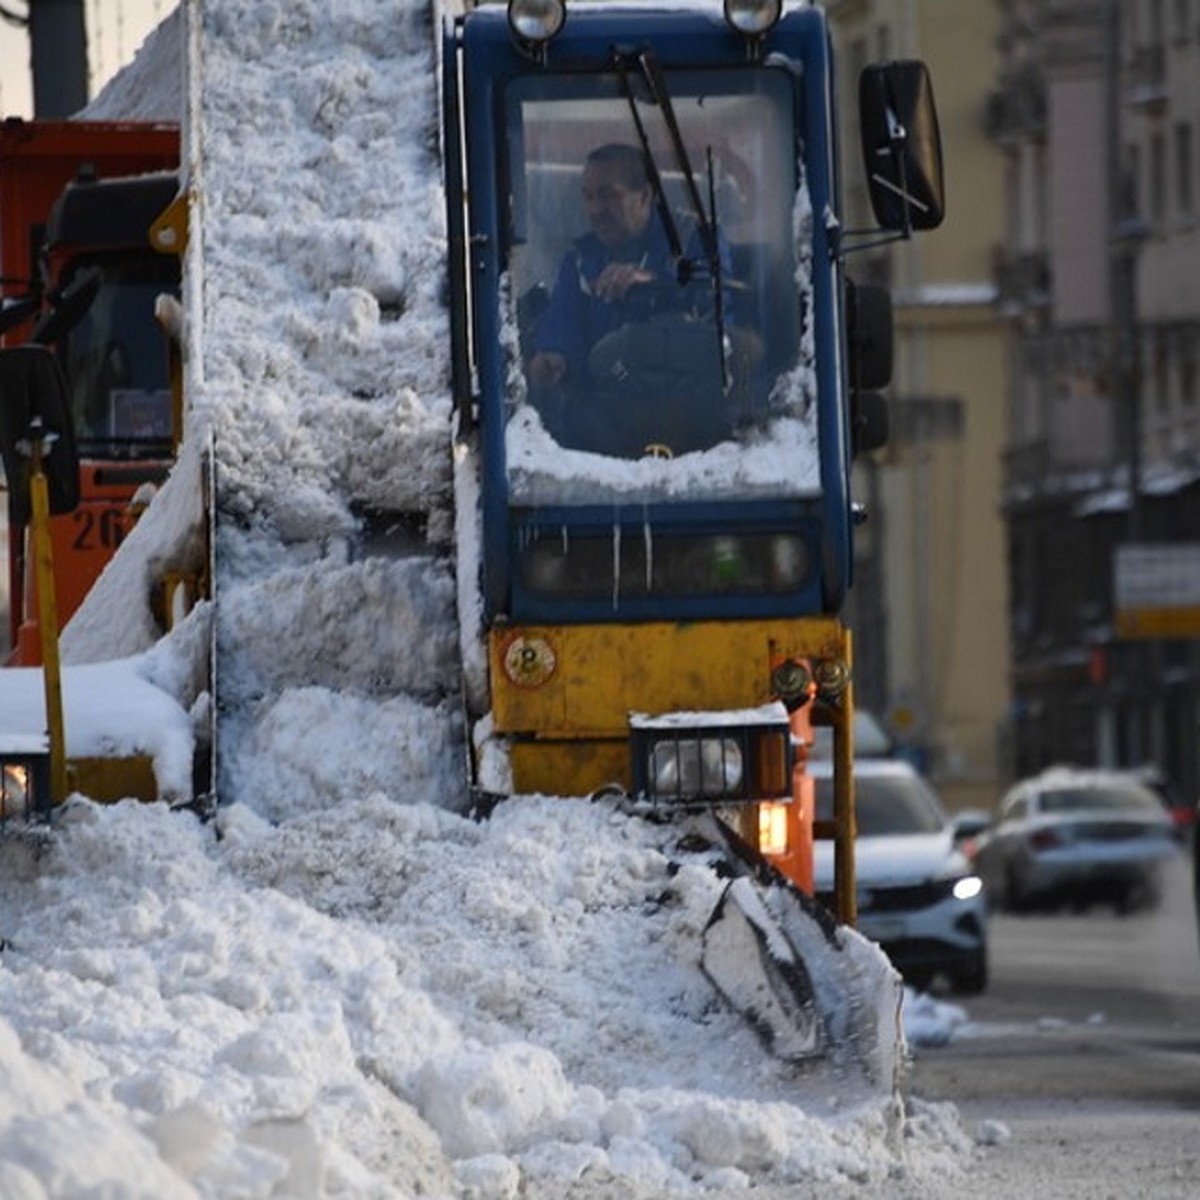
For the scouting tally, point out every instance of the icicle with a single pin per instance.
(648, 542)
(616, 565)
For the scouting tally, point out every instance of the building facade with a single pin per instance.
(930, 603)
(1096, 111)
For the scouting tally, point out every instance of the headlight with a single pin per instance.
(752, 18)
(14, 786)
(772, 829)
(735, 756)
(687, 768)
(536, 21)
(25, 792)
(967, 888)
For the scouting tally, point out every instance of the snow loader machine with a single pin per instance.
(655, 533)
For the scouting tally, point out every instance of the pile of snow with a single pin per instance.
(341, 986)
(359, 1002)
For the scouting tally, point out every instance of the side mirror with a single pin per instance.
(969, 824)
(901, 145)
(70, 307)
(16, 311)
(32, 389)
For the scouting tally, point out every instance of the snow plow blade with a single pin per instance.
(811, 988)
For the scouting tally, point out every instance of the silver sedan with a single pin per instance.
(1076, 837)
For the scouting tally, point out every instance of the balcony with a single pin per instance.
(1017, 112)
(1023, 281)
(1146, 79)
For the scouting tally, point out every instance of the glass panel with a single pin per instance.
(1119, 797)
(573, 566)
(886, 804)
(116, 361)
(661, 356)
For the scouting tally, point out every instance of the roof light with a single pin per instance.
(536, 21)
(752, 18)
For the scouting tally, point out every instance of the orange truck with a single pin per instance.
(80, 273)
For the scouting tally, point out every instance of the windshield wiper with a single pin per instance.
(650, 71)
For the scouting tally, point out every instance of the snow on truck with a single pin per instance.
(661, 376)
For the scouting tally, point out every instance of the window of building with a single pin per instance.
(1188, 369)
(1185, 195)
(1131, 185)
(1183, 21)
(1158, 22)
(1162, 370)
(1158, 180)
(883, 43)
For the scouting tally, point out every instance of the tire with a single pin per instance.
(1015, 900)
(971, 978)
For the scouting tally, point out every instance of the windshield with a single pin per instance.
(657, 311)
(887, 804)
(116, 363)
(1116, 797)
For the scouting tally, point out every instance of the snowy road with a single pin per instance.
(1086, 1049)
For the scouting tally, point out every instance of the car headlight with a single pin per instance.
(967, 888)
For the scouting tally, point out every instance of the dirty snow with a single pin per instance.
(341, 986)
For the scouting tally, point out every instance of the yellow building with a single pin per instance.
(930, 602)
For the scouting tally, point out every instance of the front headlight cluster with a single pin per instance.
(712, 758)
(703, 767)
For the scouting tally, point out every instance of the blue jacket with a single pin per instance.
(576, 318)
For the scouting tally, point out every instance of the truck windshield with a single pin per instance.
(657, 358)
(116, 363)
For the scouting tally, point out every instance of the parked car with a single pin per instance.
(1077, 837)
(917, 895)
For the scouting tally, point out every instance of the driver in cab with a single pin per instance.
(620, 272)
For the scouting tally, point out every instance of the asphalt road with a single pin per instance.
(1079, 1068)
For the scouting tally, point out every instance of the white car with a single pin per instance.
(1072, 836)
(917, 895)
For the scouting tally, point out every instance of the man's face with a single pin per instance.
(616, 212)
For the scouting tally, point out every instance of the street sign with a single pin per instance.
(1157, 590)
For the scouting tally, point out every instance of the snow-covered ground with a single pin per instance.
(341, 986)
